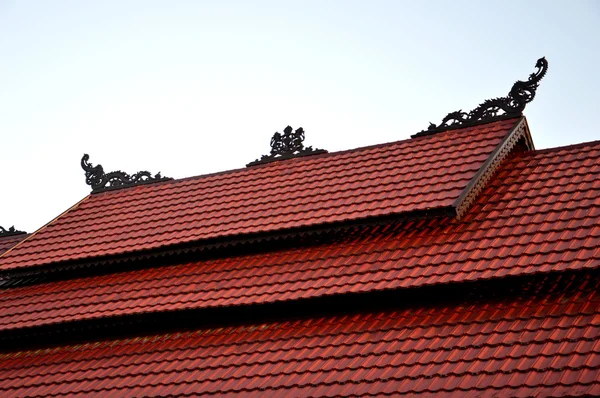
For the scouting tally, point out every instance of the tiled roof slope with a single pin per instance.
(6, 242)
(541, 213)
(541, 341)
(414, 175)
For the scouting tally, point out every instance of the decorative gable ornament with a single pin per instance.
(494, 109)
(288, 145)
(100, 181)
(9, 232)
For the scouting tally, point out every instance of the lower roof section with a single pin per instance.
(544, 341)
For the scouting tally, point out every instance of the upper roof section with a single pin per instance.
(428, 175)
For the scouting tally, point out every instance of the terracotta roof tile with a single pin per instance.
(503, 235)
(6, 242)
(407, 176)
(544, 344)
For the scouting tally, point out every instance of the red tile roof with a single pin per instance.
(417, 175)
(6, 242)
(485, 282)
(543, 341)
(540, 214)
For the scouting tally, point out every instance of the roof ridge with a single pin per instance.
(564, 147)
(327, 154)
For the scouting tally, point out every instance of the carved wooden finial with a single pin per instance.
(100, 181)
(491, 110)
(288, 145)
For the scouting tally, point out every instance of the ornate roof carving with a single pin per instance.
(521, 93)
(10, 231)
(288, 145)
(100, 181)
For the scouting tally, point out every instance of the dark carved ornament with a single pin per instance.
(11, 231)
(100, 181)
(494, 109)
(288, 145)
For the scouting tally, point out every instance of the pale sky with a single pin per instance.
(195, 87)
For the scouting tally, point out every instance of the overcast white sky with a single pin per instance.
(194, 87)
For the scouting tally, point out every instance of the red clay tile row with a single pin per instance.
(6, 242)
(536, 345)
(376, 206)
(218, 223)
(226, 278)
(412, 175)
(438, 321)
(329, 166)
(219, 271)
(505, 234)
(45, 308)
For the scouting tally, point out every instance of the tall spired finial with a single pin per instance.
(491, 110)
(288, 145)
(100, 181)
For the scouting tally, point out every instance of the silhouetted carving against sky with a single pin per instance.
(201, 87)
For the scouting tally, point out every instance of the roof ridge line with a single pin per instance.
(566, 147)
(321, 155)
